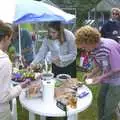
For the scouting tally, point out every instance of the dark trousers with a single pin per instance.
(70, 69)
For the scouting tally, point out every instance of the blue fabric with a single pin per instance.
(31, 18)
(34, 11)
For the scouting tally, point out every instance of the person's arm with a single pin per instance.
(71, 47)
(6, 92)
(114, 59)
(94, 72)
(109, 74)
(41, 53)
(104, 76)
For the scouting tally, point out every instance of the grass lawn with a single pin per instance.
(88, 114)
(91, 112)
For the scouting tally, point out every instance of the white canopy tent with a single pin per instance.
(24, 11)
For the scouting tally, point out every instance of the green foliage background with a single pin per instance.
(82, 7)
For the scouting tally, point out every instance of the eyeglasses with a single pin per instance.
(115, 13)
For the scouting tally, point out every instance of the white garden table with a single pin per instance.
(37, 106)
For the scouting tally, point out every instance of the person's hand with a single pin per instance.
(55, 59)
(96, 80)
(87, 75)
(92, 80)
(25, 83)
(32, 66)
(36, 67)
(38, 76)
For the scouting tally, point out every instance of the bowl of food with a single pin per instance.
(63, 77)
(47, 76)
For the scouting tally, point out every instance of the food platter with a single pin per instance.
(34, 90)
(65, 88)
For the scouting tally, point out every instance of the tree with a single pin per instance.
(82, 6)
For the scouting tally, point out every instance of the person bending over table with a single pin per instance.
(106, 55)
(61, 43)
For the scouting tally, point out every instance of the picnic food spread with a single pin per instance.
(63, 88)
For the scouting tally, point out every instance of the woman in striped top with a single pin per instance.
(106, 56)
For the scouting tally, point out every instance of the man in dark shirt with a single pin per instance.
(111, 29)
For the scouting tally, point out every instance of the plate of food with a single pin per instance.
(63, 77)
(47, 75)
(68, 98)
(34, 91)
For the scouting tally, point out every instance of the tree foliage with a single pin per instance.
(82, 7)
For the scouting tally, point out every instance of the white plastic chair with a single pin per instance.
(14, 109)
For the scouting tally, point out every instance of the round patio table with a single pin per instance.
(37, 106)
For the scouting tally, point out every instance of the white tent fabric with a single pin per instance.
(19, 11)
(7, 10)
(24, 11)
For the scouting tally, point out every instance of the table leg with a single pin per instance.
(31, 116)
(72, 117)
(42, 118)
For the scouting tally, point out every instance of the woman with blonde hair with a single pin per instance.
(106, 56)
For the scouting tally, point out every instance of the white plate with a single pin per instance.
(89, 81)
